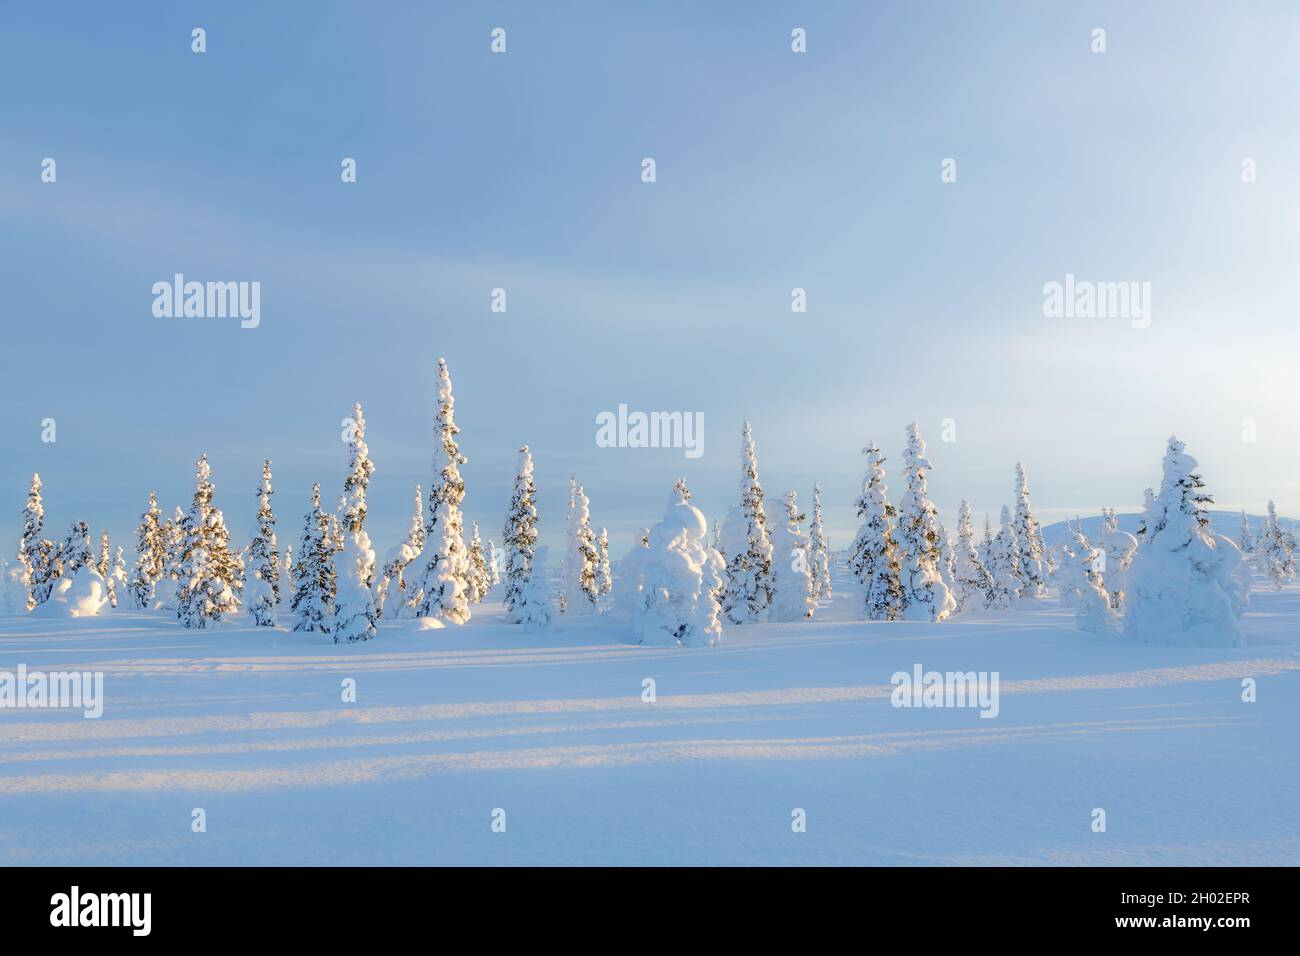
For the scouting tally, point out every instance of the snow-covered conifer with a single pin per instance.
(927, 597)
(117, 581)
(150, 556)
(1118, 548)
(819, 553)
(105, 559)
(1083, 588)
(1183, 583)
(37, 556)
(628, 576)
(314, 575)
(207, 567)
(1035, 567)
(533, 606)
(792, 597)
(444, 563)
(1004, 564)
(79, 590)
(604, 574)
(494, 561)
(167, 586)
(263, 597)
(581, 559)
(520, 535)
(748, 591)
(873, 556)
(1273, 556)
(679, 573)
(974, 583)
(1148, 513)
(1245, 540)
(355, 617)
(480, 579)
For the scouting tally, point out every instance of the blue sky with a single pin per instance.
(522, 171)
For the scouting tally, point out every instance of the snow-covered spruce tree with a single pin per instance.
(581, 559)
(480, 579)
(520, 535)
(1083, 588)
(105, 559)
(927, 597)
(1035, 567)
(986, 543)
(1245, 540)
(445, 566)
(748, 591)
(314, 575)
(37, 556)
(207, 567)
(1148, 513)
(1183, 583)
(604, 574)
(495, 559)
(1004, 564)
(263, 595)
(1273, 556)
(150, 556)
(79, 590)
(972, 578)
(873, 556)
(679, 574)
(117, 580)
(167, 586)
(533, 607)
(819, 552)
(355, 617)
(392, 593)
(792, 597)
(1118, 548)
(947, 559)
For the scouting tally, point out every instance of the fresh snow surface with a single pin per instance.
(551, 726)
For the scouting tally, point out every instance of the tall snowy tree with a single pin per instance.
(748, 591)
(986, 544)
(1083, 588)
(604, 574)
(792, 597)
(819, 552)
(581, 559)
(1118, 548)
(314, 574)
(1148, 512)
(263, 597)
(150, 556)
(480, 579)
(37, 556)
(1245, 540)
(1184, 588)
(105, 560)
(445, 563)
(928, 598)
(974, 583)
(393, 591)
(1034, 565)
(873, 556)
(355, 616)
(168, 586)
(533, 607)
(207, 567)
(1004, 564)
(1273, 555)
(520, 535)
(117, 582)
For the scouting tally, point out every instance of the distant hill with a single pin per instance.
(1226, 523)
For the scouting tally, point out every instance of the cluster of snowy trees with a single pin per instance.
(1271, 548)
(1173, 581)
